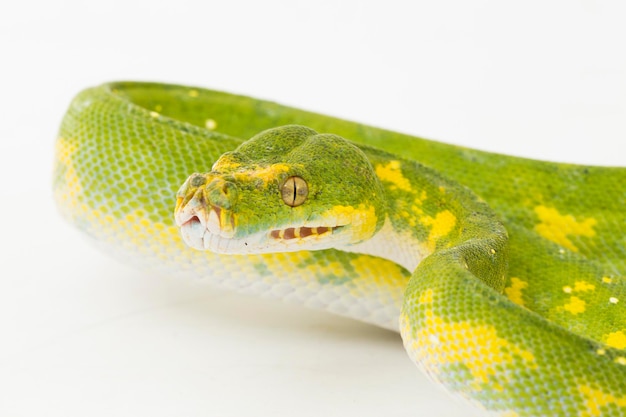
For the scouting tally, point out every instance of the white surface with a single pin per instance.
(82, 335)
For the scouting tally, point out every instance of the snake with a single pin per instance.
(505, 276)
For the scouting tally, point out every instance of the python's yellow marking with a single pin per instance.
(71, 186)
(355, 216)
(469, 343)
(405, 324)
(579, 286)
(334, 269)
(372, 273)
(226, 163)
(420, 198)
(426, 297)
(391, 173)
(575, 305)
(558, 228)
(514, 292)
(439, 342)
(582, 286)
(226, 220)
(442, 224)
(596, 399)
(616, 340)
(179, 201)
(267, 174)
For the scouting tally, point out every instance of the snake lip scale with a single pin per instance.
(204, 231)
(303, 232)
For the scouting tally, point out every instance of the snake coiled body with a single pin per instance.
(504, 275)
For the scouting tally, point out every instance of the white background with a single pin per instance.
(82, 335)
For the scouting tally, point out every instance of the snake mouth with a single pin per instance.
(213, 218)
(203, 225)
(198, 236)
(210, 227)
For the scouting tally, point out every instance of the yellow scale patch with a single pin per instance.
(442, 224)
(426, 297)
(142, 233)
(378, 277)
(266, 174)
(557, 227)
(226, 163)
(334, 269)
(362, 218)
(514, 292)
(477, 346)
(616, 339)
(282, 263)
(71, 186)
(415, 209)
(391, 173)
(595, 399)
(163, 241)
(576, 305)
(582, 286)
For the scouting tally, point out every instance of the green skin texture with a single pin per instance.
(494, 240)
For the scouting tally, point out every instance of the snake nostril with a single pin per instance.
(198, 180)
(229, 188)
(222, 194)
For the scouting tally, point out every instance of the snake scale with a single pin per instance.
(505, 276)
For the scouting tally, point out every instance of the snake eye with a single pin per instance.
(294, 191)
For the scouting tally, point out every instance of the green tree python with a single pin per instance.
(505, 276)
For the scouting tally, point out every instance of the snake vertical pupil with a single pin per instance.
(294, 191)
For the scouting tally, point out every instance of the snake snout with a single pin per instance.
(204, 209)
(186, 211)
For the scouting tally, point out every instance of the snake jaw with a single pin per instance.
(205, 226)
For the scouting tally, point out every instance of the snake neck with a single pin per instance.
(392, 244)
(424, 212)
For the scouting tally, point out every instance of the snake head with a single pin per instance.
(286, 189)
